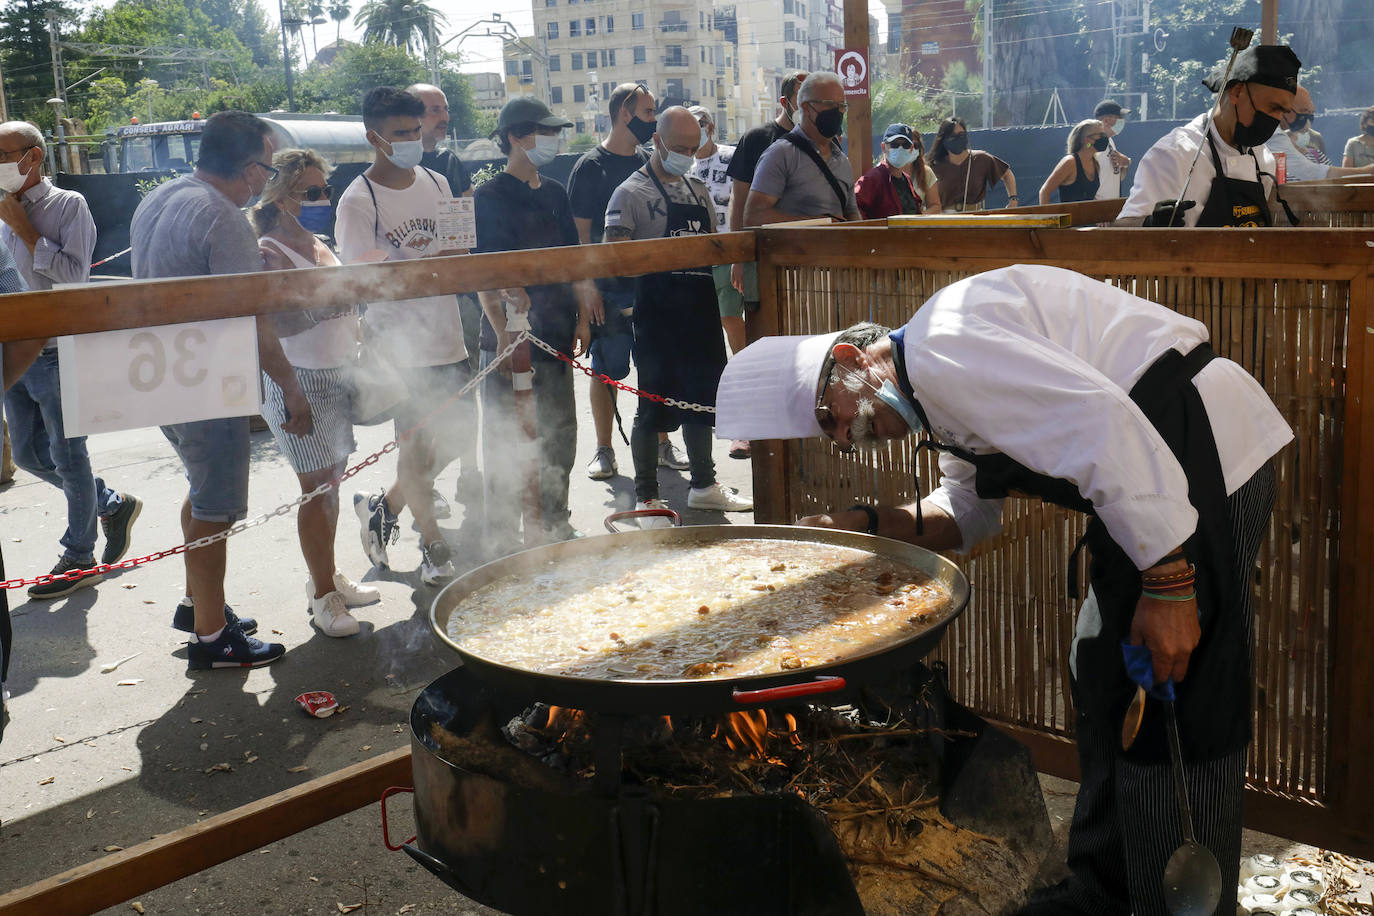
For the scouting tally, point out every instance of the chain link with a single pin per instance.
(287, 508)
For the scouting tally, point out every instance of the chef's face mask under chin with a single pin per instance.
(887, 394)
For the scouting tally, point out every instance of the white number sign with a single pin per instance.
(176, 373)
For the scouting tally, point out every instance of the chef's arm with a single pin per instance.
(939, 530)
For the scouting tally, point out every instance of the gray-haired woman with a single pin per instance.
(320, 344)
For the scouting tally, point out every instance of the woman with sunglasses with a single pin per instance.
(901, 182)
(320, 344)
(1076, 177)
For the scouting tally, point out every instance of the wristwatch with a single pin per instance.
(872, 516)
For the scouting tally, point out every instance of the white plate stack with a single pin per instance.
(1268, 887)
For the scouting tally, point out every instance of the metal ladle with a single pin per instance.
(1192, 877)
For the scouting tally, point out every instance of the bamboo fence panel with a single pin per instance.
(1008, 654)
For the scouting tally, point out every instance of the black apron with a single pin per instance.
(1214, 698)
(1234, 201)
(679, 346)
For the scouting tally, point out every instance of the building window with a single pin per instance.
(639, 52)
(787, 6)
(637, 22)
(589, 27)
(512, 68)
(577, 60)
(672, 56)
(574, 28)
(550, 2)
(610, 24)
(789, 32)
(556, 95)
(672, 21)
(606, 89)
(701, 19)
(526, 72)
(579, 93)
(703, 54)
(789, 58)
(608, 58)
(552, 30)
(555, 63)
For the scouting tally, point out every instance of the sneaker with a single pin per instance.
(602, 464)
(441, 507)
(670, 456)
(726, 499)
(331, 616)
(233, 649)
(436, 563)
(184, 618)
(379, 526)
(117, 526)
(561, 531)
(354, 595)
(61, 588)
(654, 521)
(739, 448)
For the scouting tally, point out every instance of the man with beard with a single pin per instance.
(1041, 382)
(1219, 155)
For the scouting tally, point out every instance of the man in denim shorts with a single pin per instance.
(193, 227)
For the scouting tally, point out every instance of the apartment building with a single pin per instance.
(488, 90)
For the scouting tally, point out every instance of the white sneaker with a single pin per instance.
(354, 595)
(670, 456)
(331, 615)
(725, 499)
(436, 564)
(602, 466)
(442, 509)
(654, 521)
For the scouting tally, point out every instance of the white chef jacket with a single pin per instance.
(1298, 166)
(1108, 178)
(1037, 363)
(1164, 167)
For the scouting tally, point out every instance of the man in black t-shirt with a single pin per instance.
(520, 209)
(596, 175)
(749, 150)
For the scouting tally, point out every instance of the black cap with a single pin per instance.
(1107, 107)
(528, 110)
(1268, 65)
(897, 130)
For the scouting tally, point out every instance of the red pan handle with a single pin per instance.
(824, 684)
(641, 513)
(386, 835)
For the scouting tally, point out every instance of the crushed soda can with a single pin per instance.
(318, 703)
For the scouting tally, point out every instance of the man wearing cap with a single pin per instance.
(1111, 162)
(887, 188)
(1103, 403)
(520, 209)
(1303, 161)
(1220, 156)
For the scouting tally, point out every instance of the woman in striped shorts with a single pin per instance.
(320, 344)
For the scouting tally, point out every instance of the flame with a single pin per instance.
(748, 731)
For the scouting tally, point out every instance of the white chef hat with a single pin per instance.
(768, 389)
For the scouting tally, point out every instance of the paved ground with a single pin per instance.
(88, 764)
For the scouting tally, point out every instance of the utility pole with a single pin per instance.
(286, 60)
(433, 55)
(58, 79)
(4, 107)
(987, 64)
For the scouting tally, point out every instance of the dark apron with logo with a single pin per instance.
(1234, 201)
(679, 346)
(1214, 698)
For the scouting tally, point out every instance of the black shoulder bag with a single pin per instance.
(835, 185)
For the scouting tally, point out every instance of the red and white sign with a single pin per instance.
(852, 66)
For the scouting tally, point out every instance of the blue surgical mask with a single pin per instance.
(892, 397)
(314, 216)
(704, 139)
(899, 157)
(676, 163)
(406, 154)
(543, 152)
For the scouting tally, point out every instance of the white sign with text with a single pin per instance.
(457, 223)
(176, 373)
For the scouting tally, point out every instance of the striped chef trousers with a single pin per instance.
(1126, 819)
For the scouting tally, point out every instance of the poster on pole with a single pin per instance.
(852, 66)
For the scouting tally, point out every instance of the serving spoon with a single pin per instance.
(1192, 877)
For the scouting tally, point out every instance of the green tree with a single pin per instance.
(28, 67)
(339, 11)
(896, 102)
(403, 23)
(357, 68)
(961, 94)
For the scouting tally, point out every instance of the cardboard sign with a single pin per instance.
(176, 373)
(457, 223)
(852, 66)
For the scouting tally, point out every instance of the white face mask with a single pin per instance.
(543, 152)
(1303, 139)
(704, 139)
(11, 179)
(675, 163)
(405, 154)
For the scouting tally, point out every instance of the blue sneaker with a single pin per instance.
(184, 619)
(233, 649)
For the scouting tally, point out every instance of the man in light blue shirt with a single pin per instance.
(49, 234)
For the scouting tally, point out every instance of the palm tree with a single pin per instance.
(338, 11)
(403, 23)
(314, 10)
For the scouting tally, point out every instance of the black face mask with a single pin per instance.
(1100, 144)
(956, 143)
(1369, 129)
(830, 122)
(643, 130)
(1260, 128)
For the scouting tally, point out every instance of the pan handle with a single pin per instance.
(641, 513)
(825, 684)
(386, 835)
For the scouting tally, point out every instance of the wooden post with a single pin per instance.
(1269, 22)
(860, 119)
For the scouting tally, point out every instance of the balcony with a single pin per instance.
(683, 61)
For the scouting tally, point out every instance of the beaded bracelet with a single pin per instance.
(1158, 597)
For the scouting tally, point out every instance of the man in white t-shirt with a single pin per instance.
(1111, 162)
(391, 212)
